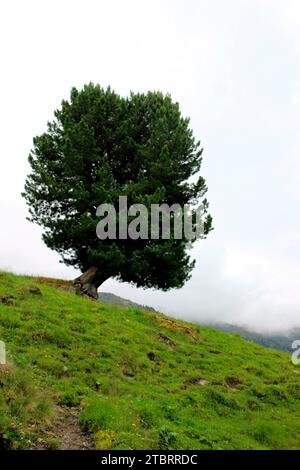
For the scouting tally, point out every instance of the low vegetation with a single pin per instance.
(133, 379)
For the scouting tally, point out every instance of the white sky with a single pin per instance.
(234, 67)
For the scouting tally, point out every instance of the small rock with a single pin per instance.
(202, 382)
(72, 290)
(35, 291)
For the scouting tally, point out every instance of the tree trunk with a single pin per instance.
(89, 281)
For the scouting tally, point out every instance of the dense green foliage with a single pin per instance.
(139, 379)
(99, 147)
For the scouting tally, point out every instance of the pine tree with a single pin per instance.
(98, 147)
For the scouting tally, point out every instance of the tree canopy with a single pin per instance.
(101, 146)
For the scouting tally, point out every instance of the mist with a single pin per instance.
(234, 68)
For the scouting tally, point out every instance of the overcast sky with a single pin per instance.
(234, 67)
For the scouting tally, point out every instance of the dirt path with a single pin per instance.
(65, 432)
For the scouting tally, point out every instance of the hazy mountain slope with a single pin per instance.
(134, 379)
(282, 342)
(112, 299)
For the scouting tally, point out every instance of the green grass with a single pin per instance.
(140, 380)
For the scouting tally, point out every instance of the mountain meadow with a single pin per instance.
(81, 374)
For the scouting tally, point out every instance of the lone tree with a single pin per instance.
(101, 146)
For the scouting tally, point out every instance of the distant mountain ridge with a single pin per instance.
(112, 299)
(282, 342)
(278, 341)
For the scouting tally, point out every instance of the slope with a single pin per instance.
(124, 378)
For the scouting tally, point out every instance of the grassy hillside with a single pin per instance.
(83, 374)
(112, 299)
(283, 342)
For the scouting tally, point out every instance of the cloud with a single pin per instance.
(234, 67)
